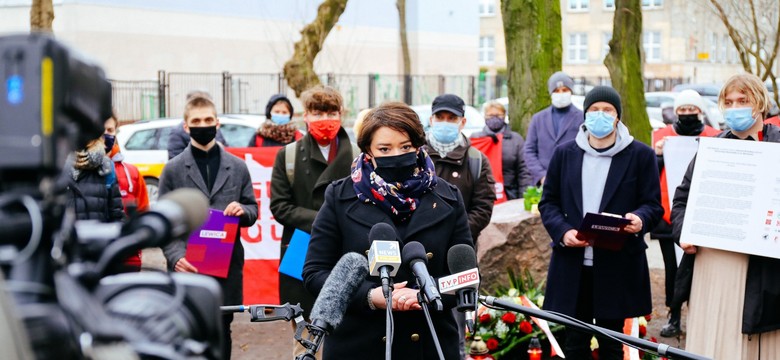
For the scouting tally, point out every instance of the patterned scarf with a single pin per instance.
(398, 200)
(284, 134)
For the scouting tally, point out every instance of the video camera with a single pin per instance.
(59, 272)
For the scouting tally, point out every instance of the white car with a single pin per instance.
(145, 143)
(474, 119)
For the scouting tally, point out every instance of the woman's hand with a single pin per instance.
(636, 223)
(688, 248)
(405, 299)
(570, 239)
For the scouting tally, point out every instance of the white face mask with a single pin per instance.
(561, 100)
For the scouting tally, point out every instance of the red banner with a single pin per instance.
(493, 152)
(261, 240)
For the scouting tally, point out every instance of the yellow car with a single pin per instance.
(145, 143)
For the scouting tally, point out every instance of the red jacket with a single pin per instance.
(657, 136)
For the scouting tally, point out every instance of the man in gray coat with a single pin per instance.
(224, 179)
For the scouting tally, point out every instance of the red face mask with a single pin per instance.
(324, 131)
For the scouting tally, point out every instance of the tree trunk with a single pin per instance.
(299, 70)
(624, 63)
(407, 59)
(41, 15)
(532, 29)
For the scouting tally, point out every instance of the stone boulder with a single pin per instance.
(514, 239)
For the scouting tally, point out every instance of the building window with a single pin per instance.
(578, 48)
(609, 4)
(578, 5)
(652, 46)
(732, 52)
(606, 37)
(487, 50)
(652, 4)
(487, 7)
(724, 44)
(713, 47)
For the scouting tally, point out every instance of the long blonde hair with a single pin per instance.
(750, 85)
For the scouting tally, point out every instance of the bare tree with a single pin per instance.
(532, 29)
(41, 15)
(624, 62)
(754, 28)
(407, 59)
(299, 70)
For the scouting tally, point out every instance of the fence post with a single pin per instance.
(472, 89)
(408, 89)
(332, 79)
(371, 90)
(280, 84)
(441, 84)
(226, 92)
(162, 94)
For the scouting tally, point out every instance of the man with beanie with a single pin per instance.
(688, 108)
(454, 159)
(604, 170)
(555, 125)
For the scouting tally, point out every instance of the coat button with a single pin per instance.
(429, 255)
(455, 174)
(308, 172)
(415, 337)
(366, 252)
(384, 338)
(303, 158)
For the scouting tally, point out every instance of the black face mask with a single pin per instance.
(203, 135)
(688, 125)
(396, 168)
(109, 141)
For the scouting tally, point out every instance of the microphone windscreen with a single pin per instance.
(382, 231)
(461, 257)
(413, 251)
(192, 203)
(340, 286)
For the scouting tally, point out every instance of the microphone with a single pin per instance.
(414, 255)
(384, 257)
(464, 282)
(174, 216)
(329, 308)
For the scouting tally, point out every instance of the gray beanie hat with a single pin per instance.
(559, 79)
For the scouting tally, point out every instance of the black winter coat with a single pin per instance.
(295, 205)
(516, 174)
(479, 195)
(93, 199)
(342, 225)
(761, 312)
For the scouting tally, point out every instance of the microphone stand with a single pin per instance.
(424, 305)
(661, 349)
(388, 327)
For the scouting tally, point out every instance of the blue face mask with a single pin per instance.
(739, 119)
(445, 132)
(280, 119)
(599, 124)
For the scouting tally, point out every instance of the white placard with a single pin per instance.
(678, 153)
(734, 200)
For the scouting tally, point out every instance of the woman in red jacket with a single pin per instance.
(131, 184)
(690, 122)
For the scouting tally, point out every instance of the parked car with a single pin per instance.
(657, 101)
(707, 91)
(474, 119)
(145, 143)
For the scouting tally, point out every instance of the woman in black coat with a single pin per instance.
(393, 181)
(93, 192)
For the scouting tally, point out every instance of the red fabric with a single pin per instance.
(334, 149)
(657, 136)
(261, 240)
(493, 152)
(774, 120)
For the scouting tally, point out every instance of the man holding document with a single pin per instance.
(224, 179)
(729, 287)
(598, 268)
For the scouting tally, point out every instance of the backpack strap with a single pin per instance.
(289, 160)
(475, 162)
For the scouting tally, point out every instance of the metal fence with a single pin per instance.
(247, 93)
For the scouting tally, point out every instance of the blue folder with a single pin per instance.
(292, 263)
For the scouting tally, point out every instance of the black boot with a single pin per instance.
(672, 328)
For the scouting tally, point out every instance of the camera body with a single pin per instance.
(62, 285)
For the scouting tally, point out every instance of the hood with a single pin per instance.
(621, 142)
(275, 99)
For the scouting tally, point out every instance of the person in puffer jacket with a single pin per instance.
(92, 188)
